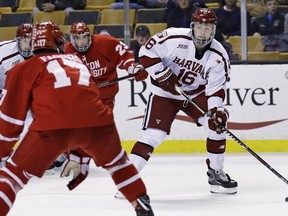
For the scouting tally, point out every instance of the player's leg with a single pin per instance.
(216, 145)
(30, 158)
(159, 115)
(62, 158)
(114, 159)
(12, 180)
(219, 180)
(142, 150)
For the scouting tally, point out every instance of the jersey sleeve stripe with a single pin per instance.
(11, 120)
(221, 55)
(226, 65)
(175, 37)
(9, 56)
(8, 139)
(149, 62)
(6, 42)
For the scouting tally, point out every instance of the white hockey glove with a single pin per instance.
(218, 119)
(80, 168)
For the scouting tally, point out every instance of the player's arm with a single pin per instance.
(12, 119)
(119, 52)
(10, 126)
(151, 57)
(152, 53)
(216, 92)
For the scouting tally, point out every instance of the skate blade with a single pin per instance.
(119, 195)
(215, 189)
(50, 172)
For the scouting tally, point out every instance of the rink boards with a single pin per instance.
(256, 99)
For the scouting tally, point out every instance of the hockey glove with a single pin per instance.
(80, 168)
(218, 119)
(168, 81)
(141, 73)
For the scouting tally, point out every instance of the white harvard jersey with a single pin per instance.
(174, 48)
(9, 56)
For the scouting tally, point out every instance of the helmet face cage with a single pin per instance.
(23, 35)
(80, 30)
(47, 35)
(203, 15)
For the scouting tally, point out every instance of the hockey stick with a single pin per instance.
(115, 80)
(234, 137)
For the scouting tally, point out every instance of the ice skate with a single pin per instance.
(220, 182)
(56, 165)
(59, 160)
(119, 195)
(143, 207)
(50, 170)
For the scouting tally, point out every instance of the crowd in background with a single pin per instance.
(267, 18)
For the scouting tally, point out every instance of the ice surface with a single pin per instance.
(177, 185)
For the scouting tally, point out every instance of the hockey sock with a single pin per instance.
(127, 179)
(140, 155)
(12, 180)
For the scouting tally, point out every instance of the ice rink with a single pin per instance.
(177, 185)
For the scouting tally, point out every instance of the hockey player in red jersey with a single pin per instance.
(55, 86)
(199, 65)
(13, 52)
(103, 55)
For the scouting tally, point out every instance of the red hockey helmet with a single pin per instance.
(80, 36)
(24, 30)
(47, 35)
(207, 17)
(204, 15)
(23, 37)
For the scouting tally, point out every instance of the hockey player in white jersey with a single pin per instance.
(13, 52)
(195, 61)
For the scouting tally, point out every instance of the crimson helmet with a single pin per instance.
(24, 31)
(203, 15)
(47, 36)
(80, 30)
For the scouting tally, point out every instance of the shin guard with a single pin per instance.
(12, 180)
(127, 178)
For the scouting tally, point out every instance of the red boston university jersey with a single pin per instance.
(103, 57)
(60, 92)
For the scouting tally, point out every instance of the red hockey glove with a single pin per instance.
(141, 73)
(168, 81)
(218, 119)
(80, 168)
